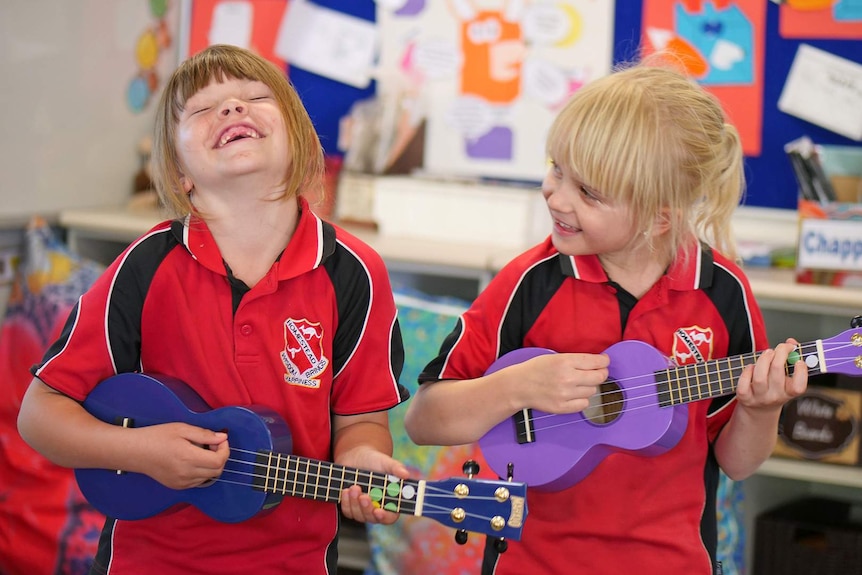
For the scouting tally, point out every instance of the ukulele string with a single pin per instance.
(721, 372)
(831, 348)
(428, 508)
(367, 476)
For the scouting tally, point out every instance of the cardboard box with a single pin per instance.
(498, 215)
(822, 425)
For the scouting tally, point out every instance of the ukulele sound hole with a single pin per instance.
(606, 405)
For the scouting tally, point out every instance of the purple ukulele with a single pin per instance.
(641, 408)
(260, 472)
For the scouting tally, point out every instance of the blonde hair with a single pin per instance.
(654, 139)
(303, 171)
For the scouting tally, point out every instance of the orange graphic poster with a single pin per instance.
(835, 19)
(721, 43)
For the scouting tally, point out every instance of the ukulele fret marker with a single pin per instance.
(317, 480)
(328, 488)
(393, 489)
(664, 394)
(376, 493)
(809, 356)
(260, 478)
(676, 388)
(692, 382)
(281, 474)
(341, 484)
(709, 390)
(292, 474)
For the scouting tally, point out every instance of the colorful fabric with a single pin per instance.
(731, 530)
(47, 526)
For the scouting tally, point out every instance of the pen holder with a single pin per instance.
(829, 248)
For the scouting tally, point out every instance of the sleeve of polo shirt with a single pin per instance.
(80, 358)
(753, 328)
(369, 380)
(473, 344)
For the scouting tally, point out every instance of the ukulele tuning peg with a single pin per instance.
(500, 545)
(470, 468)
(856, 322)
(461, 536)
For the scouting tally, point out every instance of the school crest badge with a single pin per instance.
(303, 355)
(692, 345)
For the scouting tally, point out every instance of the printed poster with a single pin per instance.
(821, 19)
(490, 76)
(721, 44)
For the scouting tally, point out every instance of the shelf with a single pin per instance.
(774, 288)
(778, 289)
(844, 475)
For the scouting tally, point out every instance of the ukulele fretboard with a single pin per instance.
(693, 382)
(324, 481)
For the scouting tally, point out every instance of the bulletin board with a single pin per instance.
(490, 77)
(769, 176)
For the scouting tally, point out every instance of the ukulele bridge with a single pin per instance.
(524, 430)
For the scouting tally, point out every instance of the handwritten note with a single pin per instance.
(826, 90)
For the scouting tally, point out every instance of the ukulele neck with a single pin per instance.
(324, 481)
(696, 381)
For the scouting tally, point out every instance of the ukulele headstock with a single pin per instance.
(491, 507)
(841, 353)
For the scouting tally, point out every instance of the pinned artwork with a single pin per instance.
(155, 39)
(491, 76)
(810, 19)
(721, 45)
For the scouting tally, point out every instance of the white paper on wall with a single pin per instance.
(328, 43)
(826, 90)
(231, 24)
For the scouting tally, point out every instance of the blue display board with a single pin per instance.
(769, 175)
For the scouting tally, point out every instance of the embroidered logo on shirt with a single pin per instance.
(692, 345)
(303, 352)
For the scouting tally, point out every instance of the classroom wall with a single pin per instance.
(69, 137)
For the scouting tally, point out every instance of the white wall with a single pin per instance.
(69, 139)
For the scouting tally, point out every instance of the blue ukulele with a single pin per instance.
(260, 471)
